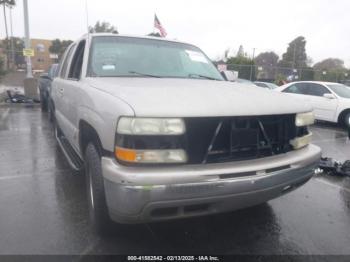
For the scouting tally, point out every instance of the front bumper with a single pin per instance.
(144, 194)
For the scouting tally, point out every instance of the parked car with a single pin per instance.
(331, 101)
(244, 81)
(44, 83)
(161, 135)
(266, 85)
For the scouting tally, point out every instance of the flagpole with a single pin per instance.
(154, 31)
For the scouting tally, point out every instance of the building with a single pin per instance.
(42, 58)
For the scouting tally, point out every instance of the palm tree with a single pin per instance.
(7, 3)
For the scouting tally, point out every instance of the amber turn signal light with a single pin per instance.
(126, 155)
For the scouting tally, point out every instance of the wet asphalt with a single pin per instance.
(43, 208)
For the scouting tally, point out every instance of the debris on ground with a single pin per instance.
(332, 167)
(16, 97)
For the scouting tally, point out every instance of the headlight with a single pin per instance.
(151, 156)
(150, 126)
(150, 140)
(305, 119)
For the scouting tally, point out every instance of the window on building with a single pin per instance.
(40, 48)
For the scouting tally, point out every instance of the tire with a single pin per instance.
(43, 103)
(346, 120)
(98, 210)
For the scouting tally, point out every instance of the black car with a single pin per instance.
(45, 86)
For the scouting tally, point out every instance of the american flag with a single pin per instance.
(158, 25)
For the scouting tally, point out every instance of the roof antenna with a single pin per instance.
(87, 17)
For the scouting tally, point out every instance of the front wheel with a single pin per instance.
(98, 210)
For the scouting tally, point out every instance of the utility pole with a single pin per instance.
(294, 56)
(7, 36)
(252, 66)
(12, 44)
(30, 83)
(27, 38)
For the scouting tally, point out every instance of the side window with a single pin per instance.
(293, 89)
(77, 62)
(317, 90)
(66, 61)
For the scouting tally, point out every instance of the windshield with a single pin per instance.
(113, 56)
(340, 90)
(272, 85)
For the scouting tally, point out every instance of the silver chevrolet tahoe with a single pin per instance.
(161, 134)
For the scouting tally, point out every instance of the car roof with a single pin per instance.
(315, 82)
(91, 35)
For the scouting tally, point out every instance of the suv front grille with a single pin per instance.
(215, 140)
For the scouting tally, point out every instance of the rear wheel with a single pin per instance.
(347, 120)
(98, 210)
(50, 112)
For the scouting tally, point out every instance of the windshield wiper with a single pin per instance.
(142, 74)
(203, 76)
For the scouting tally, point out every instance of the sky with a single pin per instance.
(214, 26)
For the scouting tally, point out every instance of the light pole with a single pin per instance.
(27, 38)
(252, 66)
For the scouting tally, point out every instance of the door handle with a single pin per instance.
(61, 91)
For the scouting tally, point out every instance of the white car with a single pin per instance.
(330, 101)
(266, 85)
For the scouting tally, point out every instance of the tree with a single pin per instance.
(103, 27)
(59, 46)
(330, 64)
(242, 64)
(295, 56)
(331, 69)
(154, 34)
(268, 61)
(240, 51)
(10, 4)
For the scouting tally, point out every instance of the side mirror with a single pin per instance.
(230, 75)
(329, 96)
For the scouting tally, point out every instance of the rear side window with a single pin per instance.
(317, 90)
(66, 61)
(77, 62)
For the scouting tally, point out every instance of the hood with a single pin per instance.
(169, 97)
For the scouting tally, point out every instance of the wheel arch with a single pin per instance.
(342, 116)
(88, 134)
